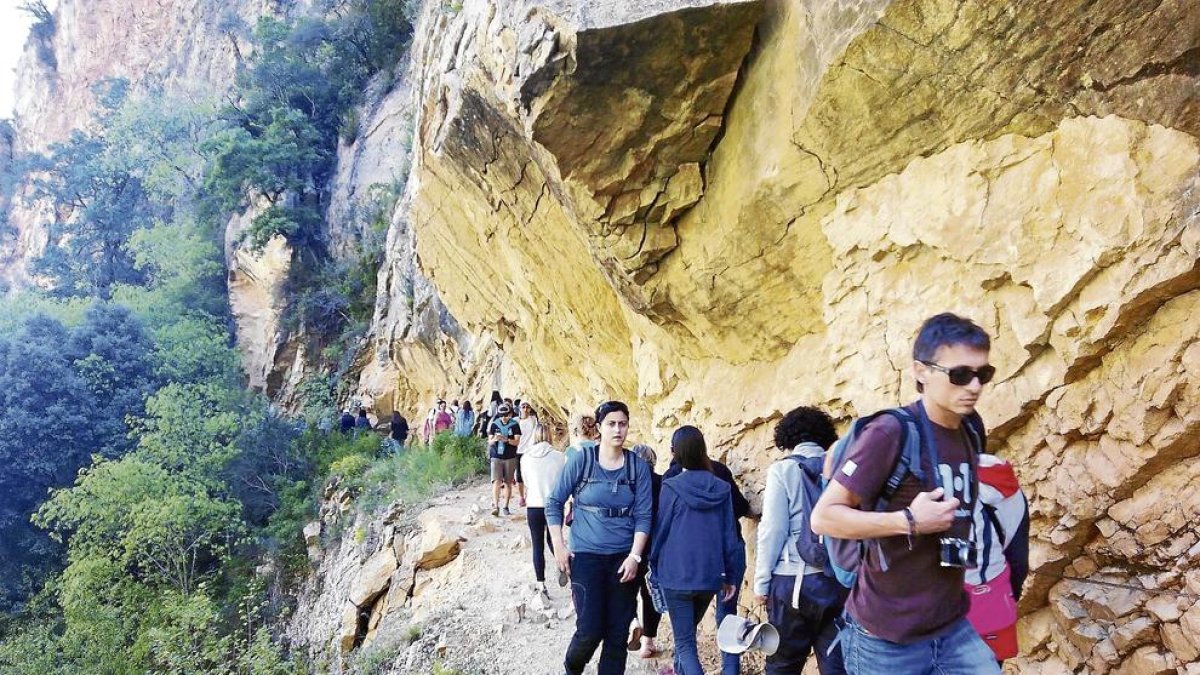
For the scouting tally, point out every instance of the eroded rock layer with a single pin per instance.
(720, 210)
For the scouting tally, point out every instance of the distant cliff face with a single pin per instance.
(176, 46)
(180, 45)
(720, 210)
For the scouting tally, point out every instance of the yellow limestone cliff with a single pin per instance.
(719, 210)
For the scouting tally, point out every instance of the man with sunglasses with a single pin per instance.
(906, 614)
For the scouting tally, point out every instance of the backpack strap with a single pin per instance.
(909, 458)
(586, 476)
(987, 544)
(908, 461)
(994, 521)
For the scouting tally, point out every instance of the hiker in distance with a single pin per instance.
(503, 436)
(527, 419)
(541, 463)
(906, 613)
(612, 518)
(791, 574)
(398, 429)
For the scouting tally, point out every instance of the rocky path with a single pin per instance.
(482, 613)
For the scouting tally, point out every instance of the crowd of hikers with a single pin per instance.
(900, 547)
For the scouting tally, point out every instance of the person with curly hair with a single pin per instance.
(802, 600)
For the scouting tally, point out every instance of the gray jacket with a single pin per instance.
(783, 503)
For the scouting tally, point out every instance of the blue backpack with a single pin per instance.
(808, 544)
(846, 555)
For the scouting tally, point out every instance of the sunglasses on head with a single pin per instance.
(962, 375)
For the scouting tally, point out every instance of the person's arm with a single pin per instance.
(643, 517)
(860, 479)
(837, 515)
(735, 553)
(773, 530)
(568, 478)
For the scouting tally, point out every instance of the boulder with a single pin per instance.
(439, 544)
(1180, 642)
(312, 534)
(374, 576)
(1147, 661)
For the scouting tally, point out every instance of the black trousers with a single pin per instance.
(540, 540)
(604, 607)
(810, 627)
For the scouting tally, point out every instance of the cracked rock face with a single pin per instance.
(757, 206)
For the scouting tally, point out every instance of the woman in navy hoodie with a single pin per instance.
(696, 552)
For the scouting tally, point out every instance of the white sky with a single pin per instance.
(14, 27)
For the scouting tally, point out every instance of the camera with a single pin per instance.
(955, 552)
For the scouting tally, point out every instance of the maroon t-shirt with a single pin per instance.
(916, 598)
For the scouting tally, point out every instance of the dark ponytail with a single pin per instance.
(688, 446)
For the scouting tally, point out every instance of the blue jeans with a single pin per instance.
(960, 651)
(604, 607)
(731, 664)
(685, 609)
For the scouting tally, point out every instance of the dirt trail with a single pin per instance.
(481, 613)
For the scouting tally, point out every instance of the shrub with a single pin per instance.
(421, 471)
(350, 468)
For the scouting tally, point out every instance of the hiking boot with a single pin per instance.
(495, 510)
(507, 512)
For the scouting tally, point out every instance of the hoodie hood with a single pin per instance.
(700, 490)
(540, 450)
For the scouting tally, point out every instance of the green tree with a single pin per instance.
(113, 355)
(98, 205)
(45, 436)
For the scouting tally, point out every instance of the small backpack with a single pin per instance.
(809, 545)
(846, 555)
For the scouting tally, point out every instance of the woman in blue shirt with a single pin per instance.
(464, 420)
(612, 518)
(696, 551)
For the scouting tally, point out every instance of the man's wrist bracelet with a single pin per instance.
(637, 558)
(912, 526)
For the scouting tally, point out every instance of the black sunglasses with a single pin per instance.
(962, 375)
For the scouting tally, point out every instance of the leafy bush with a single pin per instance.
(421, 471)
(350, 468)
(375, 657)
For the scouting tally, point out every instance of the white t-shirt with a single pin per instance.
(527, 424)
